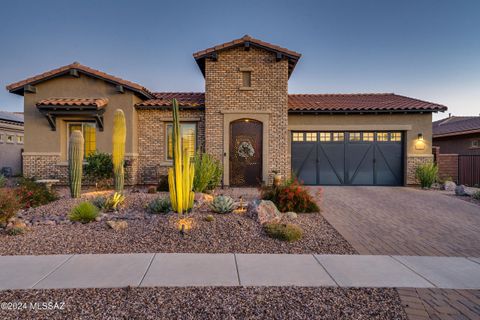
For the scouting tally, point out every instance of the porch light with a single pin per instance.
(420, 136)
(247, 120)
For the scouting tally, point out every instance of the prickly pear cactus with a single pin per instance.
(75, 163)
(118, 149)
(222, 204)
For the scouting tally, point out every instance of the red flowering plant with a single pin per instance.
(32, 194)
(292, 196)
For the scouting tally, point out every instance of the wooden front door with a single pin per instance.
(245, 153)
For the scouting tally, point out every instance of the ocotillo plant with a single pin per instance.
(180, 177)
(118, 149)
(75, 163)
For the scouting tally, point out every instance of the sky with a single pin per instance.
(426, 49)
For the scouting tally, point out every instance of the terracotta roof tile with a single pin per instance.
(359, 103)
(93, 72)
(73, 102)
(242, 40)
(456, 126)
(314, 102)
(185, 99)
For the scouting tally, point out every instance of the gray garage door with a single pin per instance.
(348, 158)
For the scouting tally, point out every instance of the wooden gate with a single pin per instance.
(469, 170)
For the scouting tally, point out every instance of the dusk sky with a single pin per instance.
(426, 49)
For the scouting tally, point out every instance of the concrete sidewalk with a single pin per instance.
(185, 269)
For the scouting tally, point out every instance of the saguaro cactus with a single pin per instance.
(75, 163)
(180, 177)
(118, 151)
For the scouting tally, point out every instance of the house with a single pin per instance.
(457, 135)
(11, 143)
(246, 118)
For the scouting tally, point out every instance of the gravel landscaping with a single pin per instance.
(52, 233)
(210, 303)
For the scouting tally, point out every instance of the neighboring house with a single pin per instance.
(11, 143)
(245, 118)
(457, 135)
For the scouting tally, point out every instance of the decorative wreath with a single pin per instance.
(245, 150)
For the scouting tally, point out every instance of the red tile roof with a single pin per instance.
(185, 99)
(14, 87)
(364, 102)
(292, 56)
(359, 103)
(453, 126)
(73, 102)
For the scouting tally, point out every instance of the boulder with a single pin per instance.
(202, 198)
(462, 190)
(449, 186)
(17, 226)
(263, 211)
(117, 225)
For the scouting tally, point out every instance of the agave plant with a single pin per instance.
(112, 202)
(222, 204)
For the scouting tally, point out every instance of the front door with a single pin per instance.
(245, 153)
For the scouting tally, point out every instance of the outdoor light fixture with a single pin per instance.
(420, 136)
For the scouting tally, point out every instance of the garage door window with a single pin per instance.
(354, 136)
(297, 136)
(324, 136)
(396, 136)
(382, 136)
(310, 136)
(338, 136)
(368, 136)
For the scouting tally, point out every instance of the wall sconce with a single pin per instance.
(420, 136)
(420, 144)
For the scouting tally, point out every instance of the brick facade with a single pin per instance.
(268, 95)
(152, 159)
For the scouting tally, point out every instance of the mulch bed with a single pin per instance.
(158, 233)
(210, 303)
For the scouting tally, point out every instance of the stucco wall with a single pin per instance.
(416, 152)
(266, 102)
(11, 153)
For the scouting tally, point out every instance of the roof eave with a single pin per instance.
(457, 133)
(361, 111)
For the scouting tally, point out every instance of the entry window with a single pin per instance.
(188, 136)
(10, 139)
(338, 136)
(297, 136)
(88, 130)
(396, 136)
(310, 136)
(325, 136)
(20, 139)
(354, 136)
(475, 144)
(368, 136)
(246, 79)
(382, 136)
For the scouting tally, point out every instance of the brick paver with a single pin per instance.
(403, 221)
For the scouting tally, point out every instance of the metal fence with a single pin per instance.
(469, 170)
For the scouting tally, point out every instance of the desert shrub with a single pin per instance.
(283, 231)
(99, 167)
(291, 196)
(222, 204)
(113, 202)
(476, 195)
(208, 172)
(3, 181)
(32, 194)
(427, 174)
(9, 204)
(84, 212)
(15, 231)
(99, 202)
(159, 205)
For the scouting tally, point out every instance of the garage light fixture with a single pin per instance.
(420, 136)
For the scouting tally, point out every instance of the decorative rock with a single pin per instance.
(291, 215)
(449, 186)
(462, 190)
(117, 225)
(202, 198)
(98, 219)
(263, 211)
(17, 224)
(49, 223)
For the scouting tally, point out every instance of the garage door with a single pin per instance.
(348, 158)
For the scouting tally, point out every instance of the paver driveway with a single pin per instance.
(403, 221)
